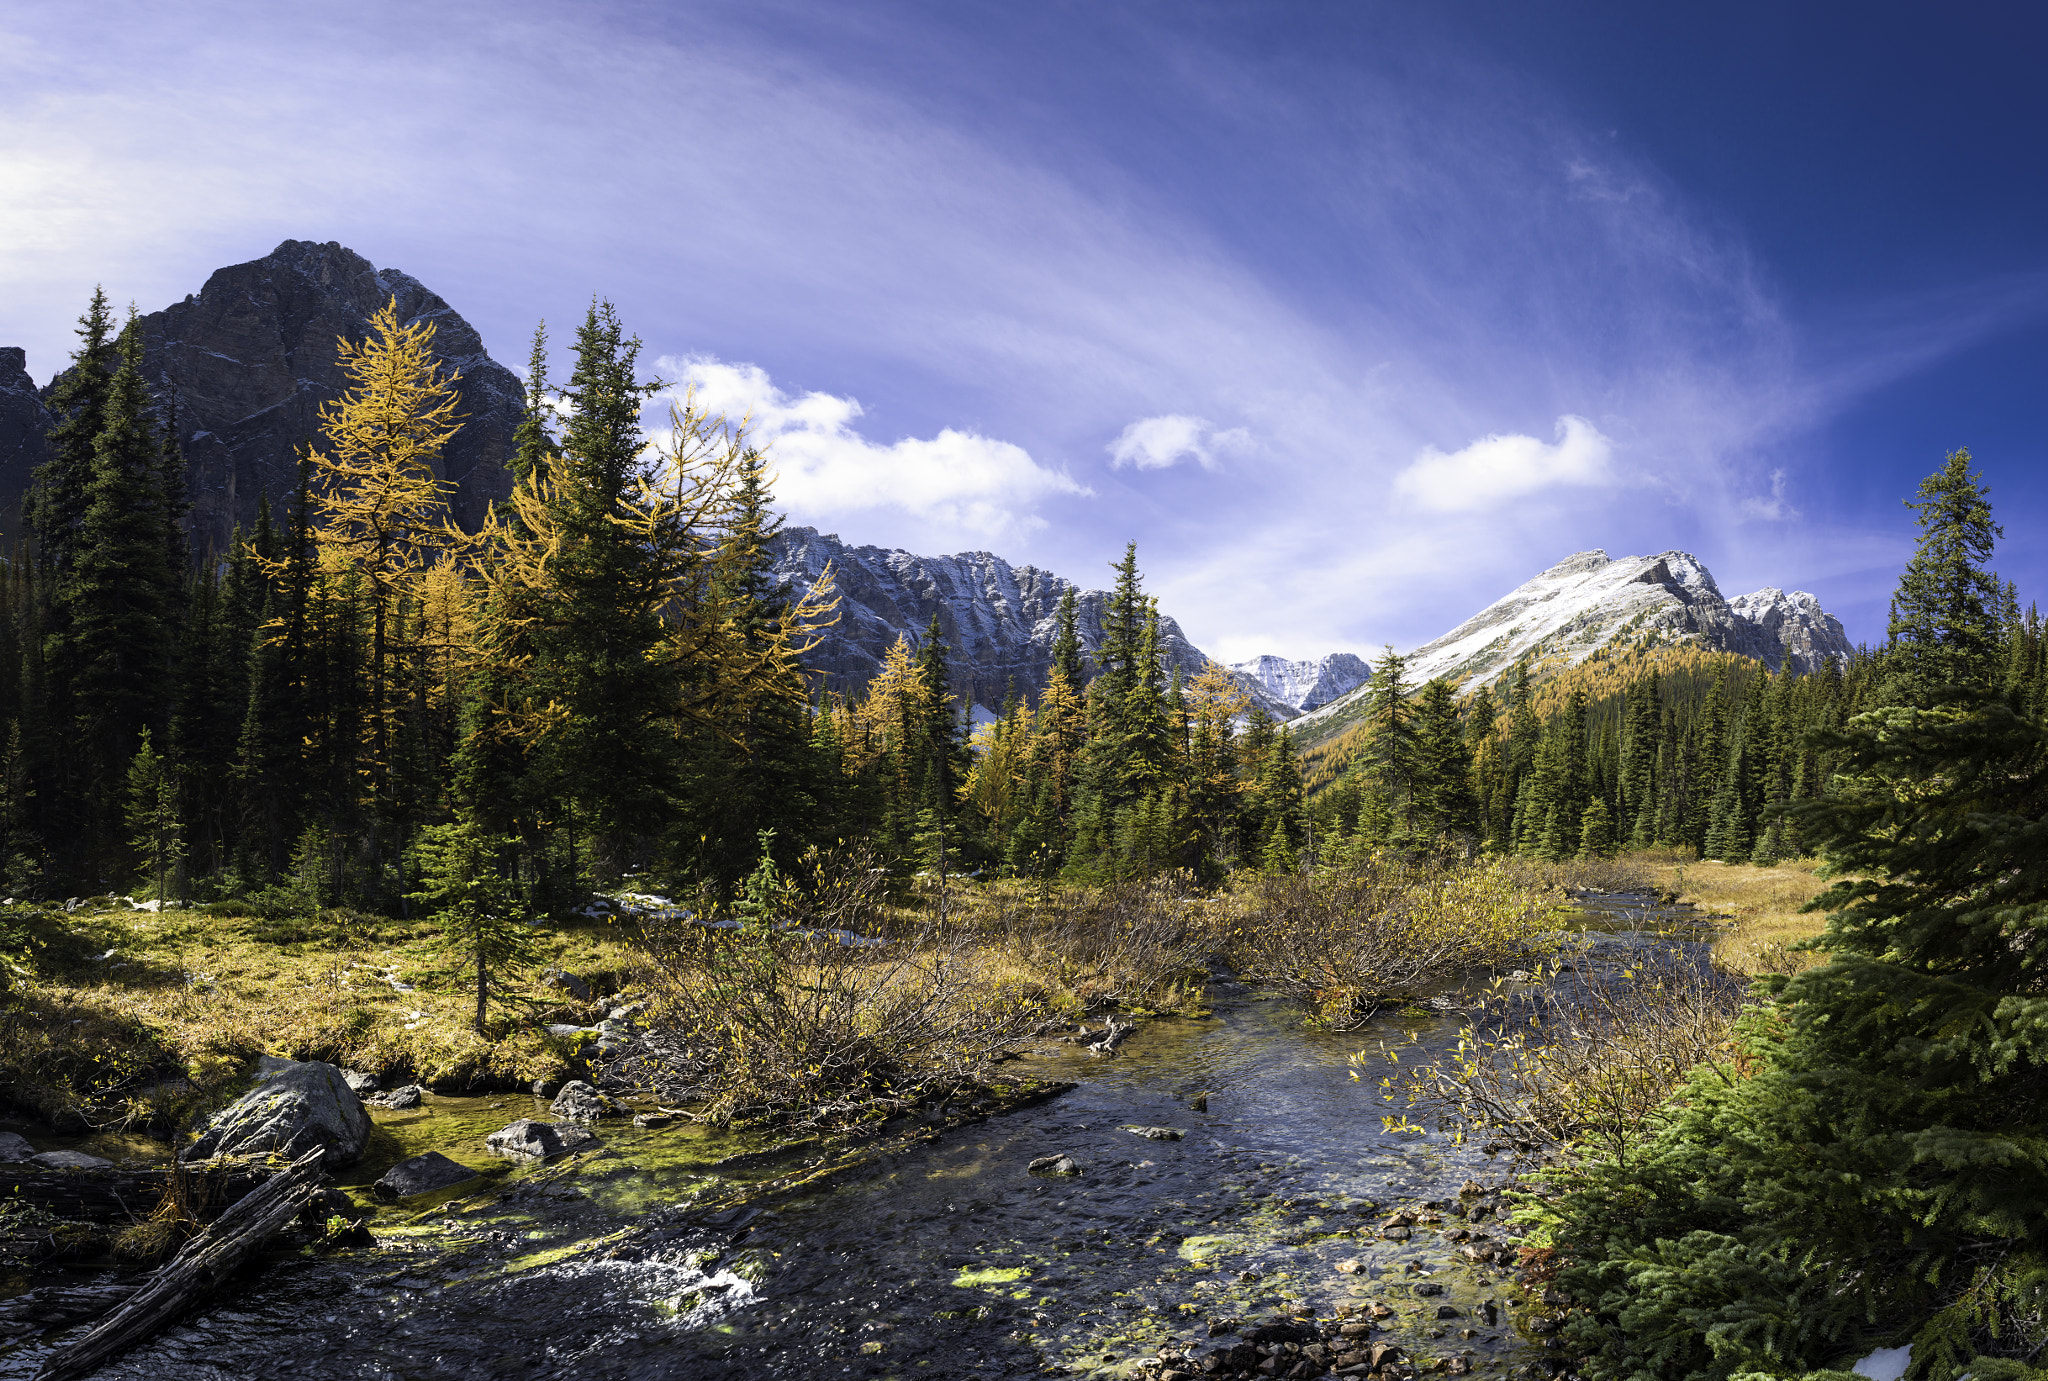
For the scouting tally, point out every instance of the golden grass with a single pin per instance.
(1763, 903)
(200, 996)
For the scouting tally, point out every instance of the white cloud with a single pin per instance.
(1775, 509)
(1503, 466)
(956, 484)
(1154, 443)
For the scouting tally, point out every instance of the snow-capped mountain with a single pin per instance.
(1589, 600)
(1299, 686)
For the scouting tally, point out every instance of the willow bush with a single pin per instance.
(1346, 943)
(812, 1000)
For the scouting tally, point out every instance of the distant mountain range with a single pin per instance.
(1589, 601)
(1000, 620)
(248, 361)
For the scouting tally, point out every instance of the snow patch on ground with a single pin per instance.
(1885, 1364)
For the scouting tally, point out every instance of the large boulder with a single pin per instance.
(15, 1147)
(294, 1106)
(528, 1140)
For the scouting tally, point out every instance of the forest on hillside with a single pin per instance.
(605, 683)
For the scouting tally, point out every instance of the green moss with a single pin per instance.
(990, 1275)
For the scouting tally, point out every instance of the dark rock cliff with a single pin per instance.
(999, 620)
(23, 421)
(250, 359)
(246, 363)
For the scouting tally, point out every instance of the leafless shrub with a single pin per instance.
(1592, 1066)
(1142, 943)
(813, 1002)
(1347, 942)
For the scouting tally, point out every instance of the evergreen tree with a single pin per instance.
(118, 596)
(1873, 1169)
(476, 906)
(77, 399)
(154, 818)
(1944, 616)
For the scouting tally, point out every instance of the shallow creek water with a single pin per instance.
(948, 1260)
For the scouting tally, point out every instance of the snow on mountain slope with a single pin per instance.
(1304, 685)
(999, 620)
(1588, 600)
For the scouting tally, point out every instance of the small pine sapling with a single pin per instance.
(476, 906)
(158, 834)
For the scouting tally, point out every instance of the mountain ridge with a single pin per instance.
(1589, 601)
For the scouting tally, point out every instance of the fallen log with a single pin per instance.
(60, 1306)
(195, 1271)
(112, 1194)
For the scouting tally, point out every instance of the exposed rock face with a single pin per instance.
(1588, 601)
(23, 424)
(249, 361)
(999, 620)
(246, 365)
(293, 1107)
(1810, 636)
(1306, 685)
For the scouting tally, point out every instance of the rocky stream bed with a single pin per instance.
(1217, 1198)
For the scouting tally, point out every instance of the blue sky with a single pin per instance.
(1352, 315)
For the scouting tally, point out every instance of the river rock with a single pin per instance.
(566, 982)
(528, 1140)
(1157, 1133)
(421, 1175)
(70, 1160)
(15, 1147)
(294, 1106)
(398, 1099)
(580, 1102)
(362, 1083)
(1061, 1164)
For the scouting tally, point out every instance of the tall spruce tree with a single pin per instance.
(118, 596)
(1875, 1174)
(1944, 616)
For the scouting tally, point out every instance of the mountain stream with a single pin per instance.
(950, 1259)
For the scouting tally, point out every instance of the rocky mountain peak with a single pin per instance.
(248, 361)
(1588, 601)
(1300, 686)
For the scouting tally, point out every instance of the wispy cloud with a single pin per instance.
(956, 484)
(1777, 508)
(1155, 443)
(1353, 264)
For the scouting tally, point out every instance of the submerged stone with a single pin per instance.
(1157, 1133)
(294, 1106)
(1061, 1164)
(422, 1175)
(528, 1140)
(69, 1160)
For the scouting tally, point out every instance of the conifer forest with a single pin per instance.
(556, 803)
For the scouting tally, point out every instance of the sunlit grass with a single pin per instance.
(1763, 904)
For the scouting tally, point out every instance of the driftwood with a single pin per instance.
(60, 1306)
(194, 1272)
(112, 1194)
(1117, 1033)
